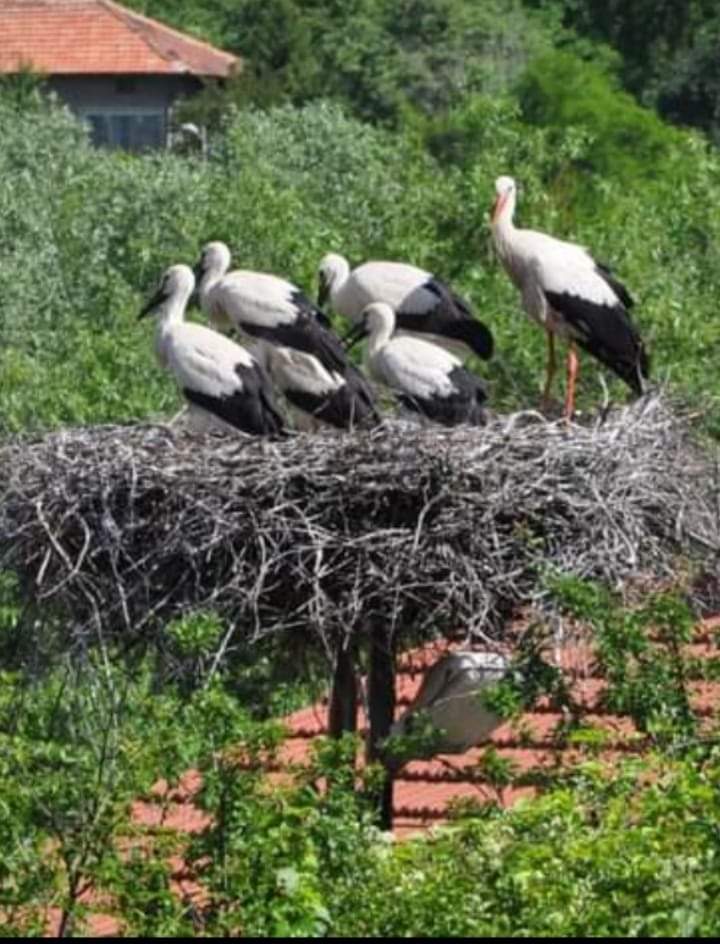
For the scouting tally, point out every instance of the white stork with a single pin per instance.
(427, 379)
(451, 698)
(320, 396)
(423, 304)
(570, 294)
(218, 377)
(307, 361)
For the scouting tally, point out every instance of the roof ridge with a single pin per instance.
(133, 19)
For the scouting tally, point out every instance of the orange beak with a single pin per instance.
(497, 207)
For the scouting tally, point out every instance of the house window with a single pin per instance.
(126, 129)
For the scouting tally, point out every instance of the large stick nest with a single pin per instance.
(428, 530)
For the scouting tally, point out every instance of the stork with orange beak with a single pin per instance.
(570, 295)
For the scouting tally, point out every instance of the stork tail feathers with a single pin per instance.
(473, 333)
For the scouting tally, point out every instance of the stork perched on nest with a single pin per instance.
(451, 697)
(218, 378)
(426, 379)
(569, 294)
(293, 340)
(423, 304)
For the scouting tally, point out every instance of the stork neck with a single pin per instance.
(340, 275)
(172, 311)
(379, 337)
(210, 277)
(503, 226)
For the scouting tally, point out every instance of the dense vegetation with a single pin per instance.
(377, 55)
(632, 853)
(86, 235)
(376, 129)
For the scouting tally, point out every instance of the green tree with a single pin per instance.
(375, 56)
(647, 33)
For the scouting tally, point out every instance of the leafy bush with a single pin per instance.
(632, 854)
(632, 851)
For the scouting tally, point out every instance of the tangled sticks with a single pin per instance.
(434, 530)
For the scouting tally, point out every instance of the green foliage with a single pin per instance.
(611, 856)
(688, 92)
(275, 849)
(84, 237)
(641, 651)
(632, 850)
(624, 141)
(76, 748)
(648, 34)
(375, 57)
(101, 227)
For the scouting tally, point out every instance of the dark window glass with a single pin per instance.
(127, 131)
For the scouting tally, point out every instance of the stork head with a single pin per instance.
(505, 191)
(332, 272)
(377, 319)
(215, 258)
(177, 282)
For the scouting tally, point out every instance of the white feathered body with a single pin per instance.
(426, 379)
(244, 299)
(320, 396)
(414, 367)
(218, 378)
(423, 304)
(399, 284)
(306, 361)
(538, 263)
(201, 358)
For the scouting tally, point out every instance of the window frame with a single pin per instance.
(106, 112)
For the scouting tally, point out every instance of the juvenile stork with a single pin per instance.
(426, 379)
(320, 396)
(450, 697)
(292, 337)
(218, 378)
(423, 304)
(569, 294)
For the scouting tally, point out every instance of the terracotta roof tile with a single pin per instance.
(100, 37)
(425, 791)
(96, 924)
(181, 817)
(534, 743)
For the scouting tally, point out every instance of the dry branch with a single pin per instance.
(429, 530)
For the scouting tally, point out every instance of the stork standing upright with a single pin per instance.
(423, 304)
(426, 379)
(219, 379)
(570, 294)
(292, 339)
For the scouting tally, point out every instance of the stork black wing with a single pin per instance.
(250, 408)
(606, 332)
(451, 317)
(349, 406)
(304, 334)
(606, 273)
(465, 406)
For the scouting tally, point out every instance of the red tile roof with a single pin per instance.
(425, 790)
(99, 37)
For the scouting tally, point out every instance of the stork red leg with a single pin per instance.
(550, 369)
(573, 365)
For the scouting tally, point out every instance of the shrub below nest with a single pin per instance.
(419, 530)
